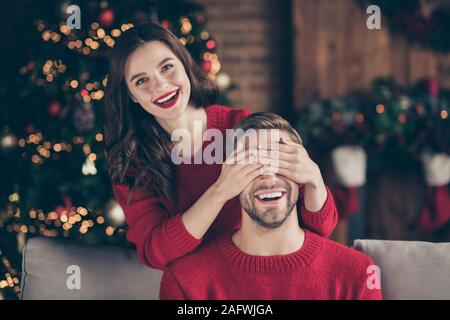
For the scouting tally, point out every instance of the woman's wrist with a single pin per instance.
(202, 214)
(316, 181)
(315, 194)
(217, 194)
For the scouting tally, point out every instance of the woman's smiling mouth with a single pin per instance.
(168, 100)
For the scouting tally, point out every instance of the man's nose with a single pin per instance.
(268, 177)
(269, 170)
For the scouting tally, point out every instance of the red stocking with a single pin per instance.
(436, 212)
(347, 201)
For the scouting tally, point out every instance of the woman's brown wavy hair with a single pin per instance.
(134, 140)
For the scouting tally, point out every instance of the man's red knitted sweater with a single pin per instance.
(321, 269)
(154, 222)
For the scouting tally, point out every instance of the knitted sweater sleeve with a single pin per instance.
(159, 239)
(323, 221)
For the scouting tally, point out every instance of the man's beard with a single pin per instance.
(259, 217)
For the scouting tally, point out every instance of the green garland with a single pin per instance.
(423, 22)
(389, 119)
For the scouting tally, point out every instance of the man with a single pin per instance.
(271, 256)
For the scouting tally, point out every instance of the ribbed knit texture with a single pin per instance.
(154, 222)
(320, 269)
(271, 264)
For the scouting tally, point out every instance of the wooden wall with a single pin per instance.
(334, 52)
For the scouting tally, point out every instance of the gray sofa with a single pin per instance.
(54, 269)
(49, 267)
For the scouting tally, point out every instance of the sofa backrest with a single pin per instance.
(410, 269)
(51, 267)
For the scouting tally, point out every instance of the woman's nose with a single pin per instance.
(158, 84)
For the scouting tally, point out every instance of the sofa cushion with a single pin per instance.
(49, 267)
(410, 269)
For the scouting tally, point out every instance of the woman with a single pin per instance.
(154, 87)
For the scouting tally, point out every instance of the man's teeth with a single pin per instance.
(170, 96)
(270, 195)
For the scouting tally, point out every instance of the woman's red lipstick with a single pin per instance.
(170, 102)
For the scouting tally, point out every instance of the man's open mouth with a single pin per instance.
(270, 197)
(168, 100)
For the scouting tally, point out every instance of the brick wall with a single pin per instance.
(254, 46)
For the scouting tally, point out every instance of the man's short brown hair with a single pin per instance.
(268, 120)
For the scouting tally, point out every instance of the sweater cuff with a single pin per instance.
(182, 240)
(318, 217)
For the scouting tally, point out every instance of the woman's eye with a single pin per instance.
(140, 81)
(167, 67)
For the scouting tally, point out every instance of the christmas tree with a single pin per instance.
(54, 182)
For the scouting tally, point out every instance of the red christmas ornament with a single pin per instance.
(210, 44)
(54, 108)
(30, 129)
(433, 87)
(206, 65)
(339, 128)
(420, 109)
(66, 208)
(200, 19)
(347, 201)
(106, 17)
(165, 23)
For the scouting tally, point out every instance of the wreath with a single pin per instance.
(426, 22)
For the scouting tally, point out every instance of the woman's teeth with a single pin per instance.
(167, 98)
(273, 195)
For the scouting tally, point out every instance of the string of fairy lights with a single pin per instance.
(380, 109)
(63, 222)
(50, 149)
(96, 41)
(49, 224)
(47, 150)
(11, 276)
